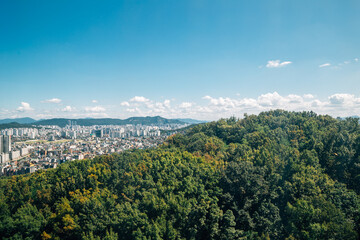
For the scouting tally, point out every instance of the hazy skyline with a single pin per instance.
(178, 59)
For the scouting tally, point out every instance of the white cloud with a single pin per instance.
(92, 114)
(157, 105)
(277, 63)
(94, 101)
(325, 65)
(226, 107)
(125, 104)
(294, 98)
(339, 104)
(24, 107)
(248, 103)
(95, 109)
(225, 102)
(344, 99)
(67, 109)
(140, 105)
(336, 66)
(44, 116)
(167, 103)
(269, 99)
(53, 100)
(133, 110)
(337, 98)
(213, 108)
(317, 103)
(308, 96)
(139, 99)
(185, 105)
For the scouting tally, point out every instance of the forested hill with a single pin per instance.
(278, 175)
(62, 122)
(25, 120)
(14, 125)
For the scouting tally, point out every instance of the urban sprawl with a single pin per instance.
(26, 150)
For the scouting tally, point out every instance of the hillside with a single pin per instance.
(278, 175)
(18, 120)
(62, 122)
(15, 125)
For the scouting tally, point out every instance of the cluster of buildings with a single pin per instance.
(113, 131)
(28, 150)
(30, 133)
(7, 153)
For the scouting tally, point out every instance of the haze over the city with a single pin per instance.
(178, 59)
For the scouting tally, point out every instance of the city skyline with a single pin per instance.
(188, 59)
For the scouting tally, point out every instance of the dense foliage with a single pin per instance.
(278, 175)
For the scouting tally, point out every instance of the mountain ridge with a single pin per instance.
(61, 122)
(25, 120)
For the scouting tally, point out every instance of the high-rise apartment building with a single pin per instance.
(99, 133)
(1, 144)
(5, 144)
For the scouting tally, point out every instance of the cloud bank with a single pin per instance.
(213, 108)
(203, 108)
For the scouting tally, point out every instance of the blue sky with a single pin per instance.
(199, 59)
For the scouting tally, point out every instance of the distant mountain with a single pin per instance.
(151, 120)
(102, 121)
(62, 122)
(15, 125)
(25, 120)
(190, 120)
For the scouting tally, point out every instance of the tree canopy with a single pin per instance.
(277, 175)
